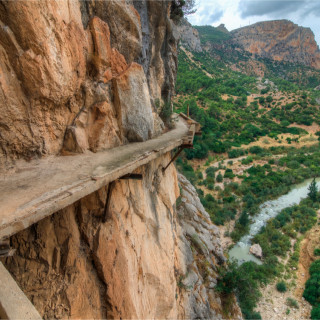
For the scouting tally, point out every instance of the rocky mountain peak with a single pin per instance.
(223, 28)
(279, 40)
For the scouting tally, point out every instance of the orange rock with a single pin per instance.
(280, 40)
(101, 39)
(118, 63)
(107, 76)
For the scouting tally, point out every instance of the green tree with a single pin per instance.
(269, 99)
(312, 292)
(313, 190)
(244, 219)
(219, 177)
(315, 313)
(261, 100)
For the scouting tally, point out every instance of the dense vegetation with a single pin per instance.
(209, 33)
(312, 290)
(232, 122)
(246, 280)
(220, 89)
(258, 183)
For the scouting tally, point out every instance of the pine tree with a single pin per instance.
(313, 190)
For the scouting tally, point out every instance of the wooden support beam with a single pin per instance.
(106, 206)
(5, 248)
(173, 159)
(134, 176)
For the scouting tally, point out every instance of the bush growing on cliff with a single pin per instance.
(281, 286)
(165, 112)
(181, 8)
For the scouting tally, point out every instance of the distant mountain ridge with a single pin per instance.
(279, 40)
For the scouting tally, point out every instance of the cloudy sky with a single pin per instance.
(239, 13)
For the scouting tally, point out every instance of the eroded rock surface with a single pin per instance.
(87, 75)
(61, 62)
(140, 257)
(280, 40)
(133, 104)
(189, 36)
(203, 254)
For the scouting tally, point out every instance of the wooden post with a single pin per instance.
(174, 158)
(106, 206)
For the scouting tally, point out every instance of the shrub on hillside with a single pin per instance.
(292, 303)
(315, 313)
(256, 150)
(281, 286)
(219, 177)
(235, 153)
(316, 252)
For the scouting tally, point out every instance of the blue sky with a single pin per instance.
(239, 13)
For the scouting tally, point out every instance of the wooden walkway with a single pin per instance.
(42, 187)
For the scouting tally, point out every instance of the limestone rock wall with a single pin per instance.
(82, 76)
(280, 40)
(202, 255)
(189, 36)
(141, 257)
(62, 63)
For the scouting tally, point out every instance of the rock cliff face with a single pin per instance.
(68, 71)
(189, 36)
(82, 76)
(280, 40)
(142, 257)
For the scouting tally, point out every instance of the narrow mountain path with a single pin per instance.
(41, 187)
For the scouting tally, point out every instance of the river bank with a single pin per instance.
(268, 210)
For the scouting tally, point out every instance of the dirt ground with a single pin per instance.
(267, 142)
(273, 303)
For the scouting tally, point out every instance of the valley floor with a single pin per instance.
(273, 304)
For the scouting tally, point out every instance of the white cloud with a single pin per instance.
(249, 8)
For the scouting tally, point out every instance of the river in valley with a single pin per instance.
(268, 210)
